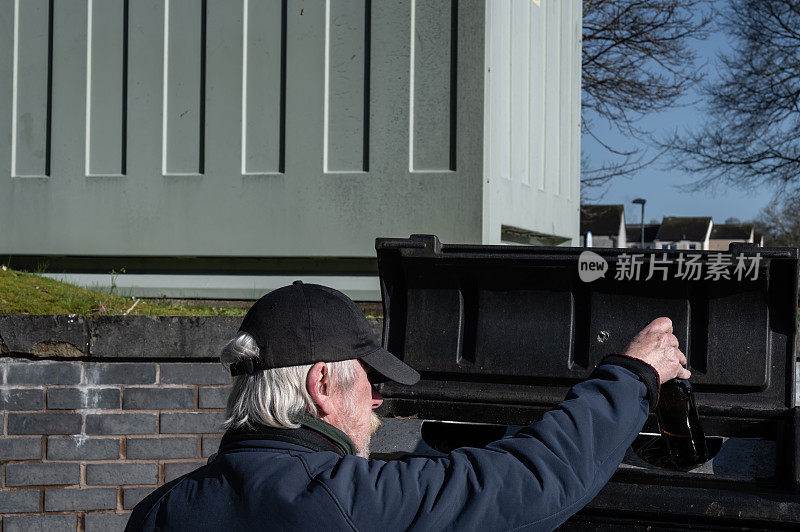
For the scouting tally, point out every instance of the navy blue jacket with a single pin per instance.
(532, 481)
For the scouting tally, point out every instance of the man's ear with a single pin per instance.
(318, 384)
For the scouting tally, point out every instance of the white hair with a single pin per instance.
(273, 396)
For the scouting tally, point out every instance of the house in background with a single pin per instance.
(606, 223)
(634, 235)
(723, 234)
(674, 232)
(679, 232)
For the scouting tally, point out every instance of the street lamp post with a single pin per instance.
(641, 201)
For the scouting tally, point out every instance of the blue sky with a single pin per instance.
(663, 188)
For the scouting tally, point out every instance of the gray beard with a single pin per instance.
(362, 448)
(363, 452)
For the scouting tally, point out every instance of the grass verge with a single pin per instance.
(28, 293)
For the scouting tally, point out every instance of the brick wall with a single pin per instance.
(83, 441)
(97, 413)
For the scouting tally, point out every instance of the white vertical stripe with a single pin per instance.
(411, 55)
(245, 7)
(165, 85)
(326, 93)
(528, 64)
(89, 9)
(14, 81)
(509, 28)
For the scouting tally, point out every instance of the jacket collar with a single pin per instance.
(313, 434)
(341, 440)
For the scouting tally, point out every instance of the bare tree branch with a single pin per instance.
(751, 138)
(636, 60)
(779, 222)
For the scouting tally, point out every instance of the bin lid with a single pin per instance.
(499, 329)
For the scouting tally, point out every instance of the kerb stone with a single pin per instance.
(48, 335)
(161, 336)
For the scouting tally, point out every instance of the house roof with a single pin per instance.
(601, 219)
(674, 228)
(732, 231)
(634, 232)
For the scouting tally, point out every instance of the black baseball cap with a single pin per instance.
(309, 323)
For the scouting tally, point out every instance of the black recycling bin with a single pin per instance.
(500, 333)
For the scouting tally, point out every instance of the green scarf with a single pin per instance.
(336, 436)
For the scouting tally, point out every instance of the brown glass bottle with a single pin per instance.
(682, 434)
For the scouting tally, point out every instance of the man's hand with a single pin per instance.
(658, 347)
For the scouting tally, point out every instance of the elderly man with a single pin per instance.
(300, 416)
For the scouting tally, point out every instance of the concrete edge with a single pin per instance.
(153, 337)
